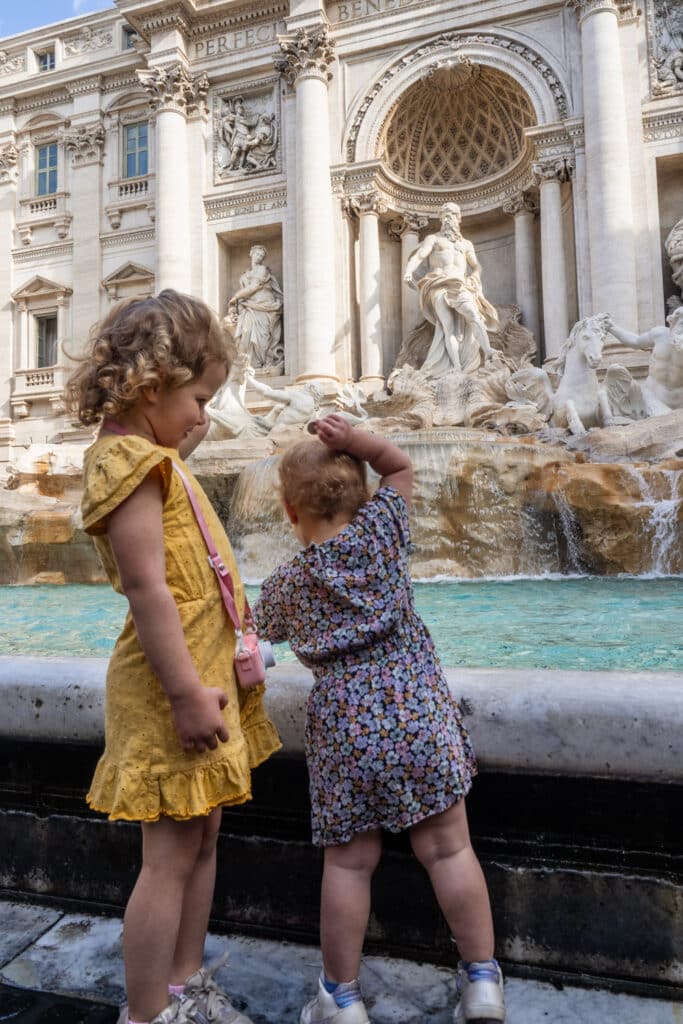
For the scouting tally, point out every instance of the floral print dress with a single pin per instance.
(385, 742)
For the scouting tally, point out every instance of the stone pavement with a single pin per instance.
(74, 962)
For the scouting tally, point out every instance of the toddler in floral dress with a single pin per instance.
(385, 744)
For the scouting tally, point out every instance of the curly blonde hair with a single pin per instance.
(167, 339)
(321, 482)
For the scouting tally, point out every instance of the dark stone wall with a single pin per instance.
(585, 874)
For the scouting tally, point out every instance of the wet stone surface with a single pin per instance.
(23, 1006)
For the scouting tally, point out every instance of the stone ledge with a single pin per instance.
(602, 724)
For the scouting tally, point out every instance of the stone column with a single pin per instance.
(305, 60)
(407, 228)
(551, 173)
(608, 175)
(85, 144)
(8, 200)
(367, 208)
(523, 207)
(172, 90)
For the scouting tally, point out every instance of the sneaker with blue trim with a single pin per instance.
(479, 993)
(328, 1008)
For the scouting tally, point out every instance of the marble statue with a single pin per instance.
(294, 406)
(674, 250)
(247, 139)
(262, 145)
(227, 411)
(255, 315)
(662, 390)
(445, 270)
(579, 401)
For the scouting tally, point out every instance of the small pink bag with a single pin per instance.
(252, 655)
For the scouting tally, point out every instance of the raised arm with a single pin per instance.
(632, 340)
(392, 464)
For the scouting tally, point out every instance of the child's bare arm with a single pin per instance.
(136, 535)
(392, 464)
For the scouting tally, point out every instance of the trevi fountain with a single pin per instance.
(459, 224)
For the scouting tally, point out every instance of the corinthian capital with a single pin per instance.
(174, 88)
(85, 143)
(407, 223)
(364, 202)
(521, 202)
(8, 163)
(306, 54)
(584, 8)
(557, 168)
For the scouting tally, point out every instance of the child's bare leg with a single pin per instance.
(345, 903)
(442, 844)
(194, 920)
(152, 919)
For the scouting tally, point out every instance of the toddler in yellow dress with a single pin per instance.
(181, 737)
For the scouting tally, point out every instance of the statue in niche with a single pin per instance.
(662, 390)
(248, 139)
(445, 270)
(674, 250)
(255, 315)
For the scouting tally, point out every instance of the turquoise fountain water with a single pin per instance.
(583, 623)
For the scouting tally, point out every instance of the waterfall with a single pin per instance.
(663, 517)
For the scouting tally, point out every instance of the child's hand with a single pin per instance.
(198, 719)
(333, 430)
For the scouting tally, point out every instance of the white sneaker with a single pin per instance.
(211, 1004)
(480, 994)
(324, 1010)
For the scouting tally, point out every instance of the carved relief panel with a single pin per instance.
(665, 31)
(246, 132)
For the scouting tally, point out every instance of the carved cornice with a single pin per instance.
(85, 143)
(364, 203)
(42, 252)
(161, 19)
(125, 80)
(43, 99)
(214, 22)
(412, 200)
(224, 207)
(9, 156)
(173, 88)
(11, 65)
(663, 125)
(127, 238)
(522, 202)
(306, 54)
(454, 41)
(554, 169)
(82, 86)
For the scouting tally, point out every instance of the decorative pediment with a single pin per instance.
(41, 288)
(129, 280)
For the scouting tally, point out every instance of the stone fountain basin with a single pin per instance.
(622, 725)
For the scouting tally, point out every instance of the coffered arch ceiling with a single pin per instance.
(460, 124)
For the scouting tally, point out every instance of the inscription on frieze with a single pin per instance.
(349, 10)
(239, 39)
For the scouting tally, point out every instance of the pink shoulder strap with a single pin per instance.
(223, 576)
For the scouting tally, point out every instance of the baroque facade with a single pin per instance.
(154, 144)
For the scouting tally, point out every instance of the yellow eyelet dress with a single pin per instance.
(144, 772)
